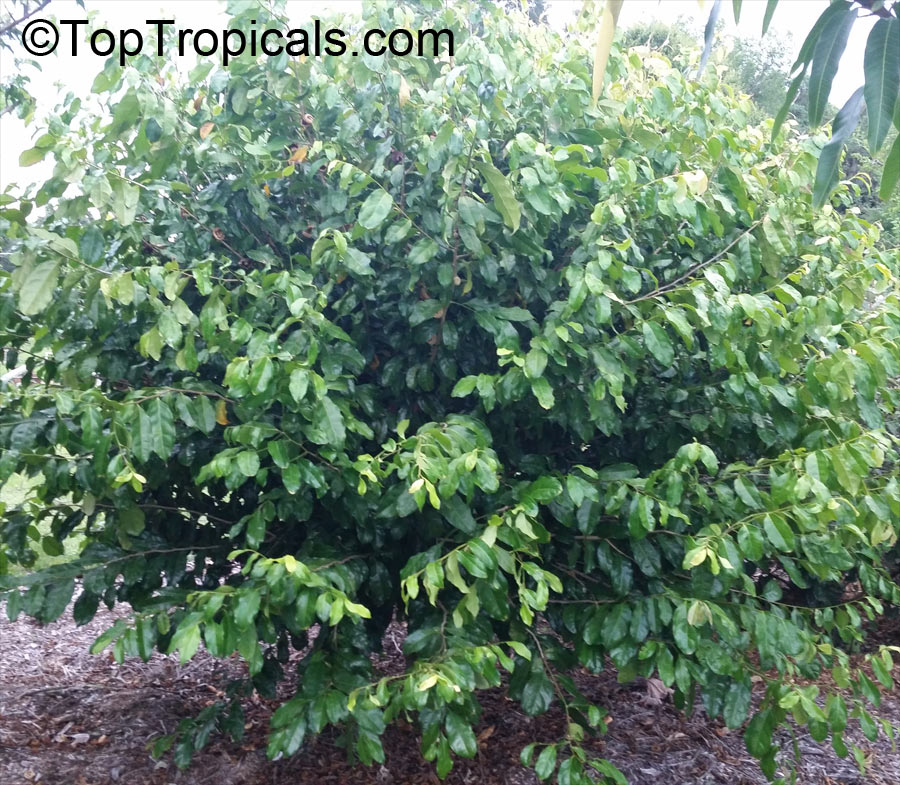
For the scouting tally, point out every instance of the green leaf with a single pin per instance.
(290, 477)
(801, 64)
(767, 16)
(657, 342)
(298, 384)
(709, 35)
(375, 209)
(891, 173)
(153, 130)
(758, 735)
(331, 422)
(502, 192)
(162, 427)
(543, 392)
(545, 764)
(124, 203)
(882, 71)
(460, 735)
(248, 463)
(92, 245)
(38, 288)
(537, 694)
(132, 520)
(779, 532)
(828, 169)
(261, 375)
(543, 489)
(737, 703)
(204, 414)
(535, 362)
(826, 57)
(246, 607)
(796, 84)
(464, 386)
(32, 156)
(460, 516)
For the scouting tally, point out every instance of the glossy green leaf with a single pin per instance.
(882, 72)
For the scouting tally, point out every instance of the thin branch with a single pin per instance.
(28, 14)
(696, 268)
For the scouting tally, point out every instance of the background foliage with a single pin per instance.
(314, 345)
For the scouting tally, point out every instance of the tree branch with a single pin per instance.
(27, 15)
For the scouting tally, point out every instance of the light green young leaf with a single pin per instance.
(38, 287)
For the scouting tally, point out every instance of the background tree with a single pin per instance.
(314, 344)
(14, 93)
(819, 58)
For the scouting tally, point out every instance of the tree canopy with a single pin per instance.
(315, 345)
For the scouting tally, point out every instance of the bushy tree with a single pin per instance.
(314, 344)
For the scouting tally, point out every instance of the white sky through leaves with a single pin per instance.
(61, 72)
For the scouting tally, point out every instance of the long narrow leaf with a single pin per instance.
(891, 172)
(826, 57)
(709, 35)
(830, 158)
(736, 6)
(767, 17)
(611, 11)
(788, 101)
(812, 37)
(882, 70)
(804, 57)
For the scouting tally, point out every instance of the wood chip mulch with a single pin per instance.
(69, 718)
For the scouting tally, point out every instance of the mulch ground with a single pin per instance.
(69, 718)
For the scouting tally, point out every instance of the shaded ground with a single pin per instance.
(68, 718)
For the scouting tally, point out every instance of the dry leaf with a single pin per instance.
(222, 413)
(299, 155)
(206, 129)
(657, 692)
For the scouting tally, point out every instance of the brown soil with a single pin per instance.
(69, 718)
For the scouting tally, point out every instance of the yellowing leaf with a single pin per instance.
(222, 413)
(403, 92)
(697, 182)
(206, 129)
(611, 11)
(299, 155)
